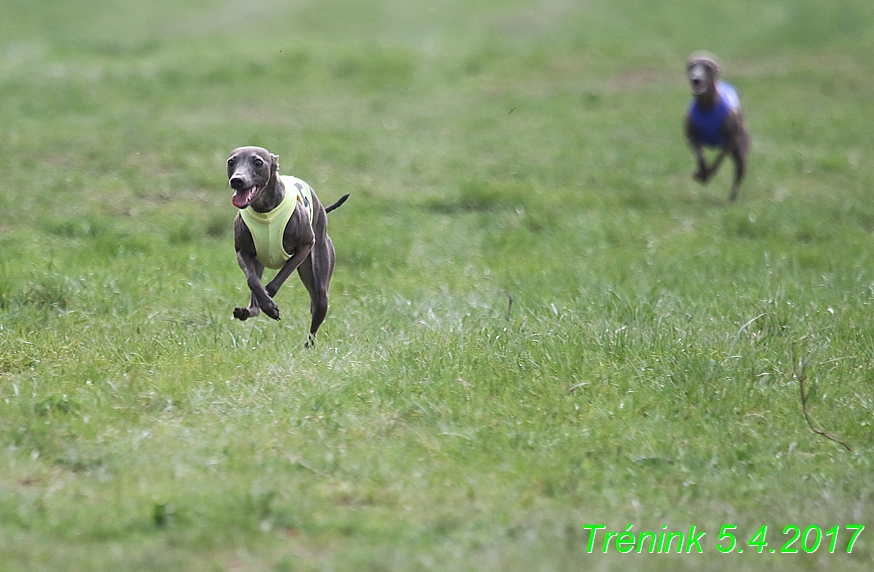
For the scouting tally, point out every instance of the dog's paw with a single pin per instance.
(271, 290)
(272, 310)
(241, 313)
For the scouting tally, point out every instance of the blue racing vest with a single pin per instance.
(706, 122)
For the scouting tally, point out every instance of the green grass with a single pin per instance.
(538, 321)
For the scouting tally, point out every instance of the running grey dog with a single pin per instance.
(714, 119)
(281, 225)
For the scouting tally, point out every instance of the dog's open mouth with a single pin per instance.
(243, 197)
(699, 87)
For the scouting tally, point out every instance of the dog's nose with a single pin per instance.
(237, 182)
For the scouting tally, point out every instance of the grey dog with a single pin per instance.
(281, 225)
(714, 119)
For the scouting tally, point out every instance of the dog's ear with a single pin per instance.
(714, 68)
(274, 163)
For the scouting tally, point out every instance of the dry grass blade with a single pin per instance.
(801, 377)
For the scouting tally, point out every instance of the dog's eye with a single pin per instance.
(258, 162)
(230, 162)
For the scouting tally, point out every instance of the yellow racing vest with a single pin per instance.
(267, 229)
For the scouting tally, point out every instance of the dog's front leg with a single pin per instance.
(694, 144)
(260, 300)
(702, 174)
(300, 254)
(716, 163)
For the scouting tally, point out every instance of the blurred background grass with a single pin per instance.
(539, 320)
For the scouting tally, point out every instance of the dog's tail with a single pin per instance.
(338, 204)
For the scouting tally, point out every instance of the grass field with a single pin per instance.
(539, 321)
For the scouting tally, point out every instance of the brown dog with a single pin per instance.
(281, 225)
(714, 119)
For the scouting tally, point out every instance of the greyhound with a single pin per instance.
(281, 225)
(714, 119)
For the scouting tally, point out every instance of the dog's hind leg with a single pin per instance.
(739, 170)
(315, 274)
(739, 155)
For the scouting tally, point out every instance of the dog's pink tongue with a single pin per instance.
(241, 198)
